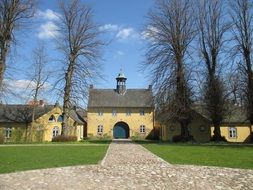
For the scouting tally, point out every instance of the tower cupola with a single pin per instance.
(121, 83)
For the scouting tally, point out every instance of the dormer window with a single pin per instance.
(114, 112)
(128, 112)
(100, 113)
(52, 118)
(142, 112)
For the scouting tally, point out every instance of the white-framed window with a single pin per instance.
(142, 112)
(7, 132)
(100, 129)
(52, 118)
(100, 113)
(232, 133)
(56, 131)
(128, 112)
(114, 112)
(142, 129)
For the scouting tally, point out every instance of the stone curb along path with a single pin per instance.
(130, 166)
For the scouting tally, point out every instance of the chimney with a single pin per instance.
(150, 87)
(41, 103)
(91, 86)
(56, 104)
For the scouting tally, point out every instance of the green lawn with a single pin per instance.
(233, 156)
(18, 158)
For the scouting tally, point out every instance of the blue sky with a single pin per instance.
(123, 22)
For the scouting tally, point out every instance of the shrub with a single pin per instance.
(64, 138)
(1, 139)
(179, 138)
(222, 139)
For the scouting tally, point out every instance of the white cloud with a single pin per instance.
(149, 33)
(48, 15)
(122, 33)
(109, 27)
(48, 30)
(23, 84)
(127, 33)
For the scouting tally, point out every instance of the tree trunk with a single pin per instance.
(184, 131)
(3, 56)
(217, 133)
(67, 95)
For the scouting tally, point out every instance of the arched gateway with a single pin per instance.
(120, 130)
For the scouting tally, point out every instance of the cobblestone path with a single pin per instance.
(130, 166)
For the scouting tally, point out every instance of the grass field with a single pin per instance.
(27, 157)
(233, 156)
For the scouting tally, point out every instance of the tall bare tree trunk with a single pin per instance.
(13, 15)
(170, 31)
(80, 46)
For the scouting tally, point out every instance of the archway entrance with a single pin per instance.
(121, 130)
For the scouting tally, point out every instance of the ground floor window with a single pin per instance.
(56, 131)
(8, 132)
(232, 132)
(142, 129)
(100, 129)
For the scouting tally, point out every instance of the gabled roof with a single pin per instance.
(132, 98)
(235, 113)
(76, 117)
(21, 113)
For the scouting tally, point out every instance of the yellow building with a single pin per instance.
(236, 127)
(16, 126)
(199, 129)
(120, 112)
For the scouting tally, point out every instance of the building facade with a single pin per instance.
(120, 112)
(16, 123)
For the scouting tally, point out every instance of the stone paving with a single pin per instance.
(130, 166)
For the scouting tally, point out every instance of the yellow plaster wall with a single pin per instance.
(18, 131)
(42, 129)
(168, 131)
(134, 121)
(243, 132)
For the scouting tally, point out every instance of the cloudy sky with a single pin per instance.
(123, 24)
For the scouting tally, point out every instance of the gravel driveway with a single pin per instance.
(130, 166)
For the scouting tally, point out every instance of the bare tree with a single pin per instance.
(212, 28)
(13, 15)
(79, 42)
(38, 75)
(242, 17)
(170, 29)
